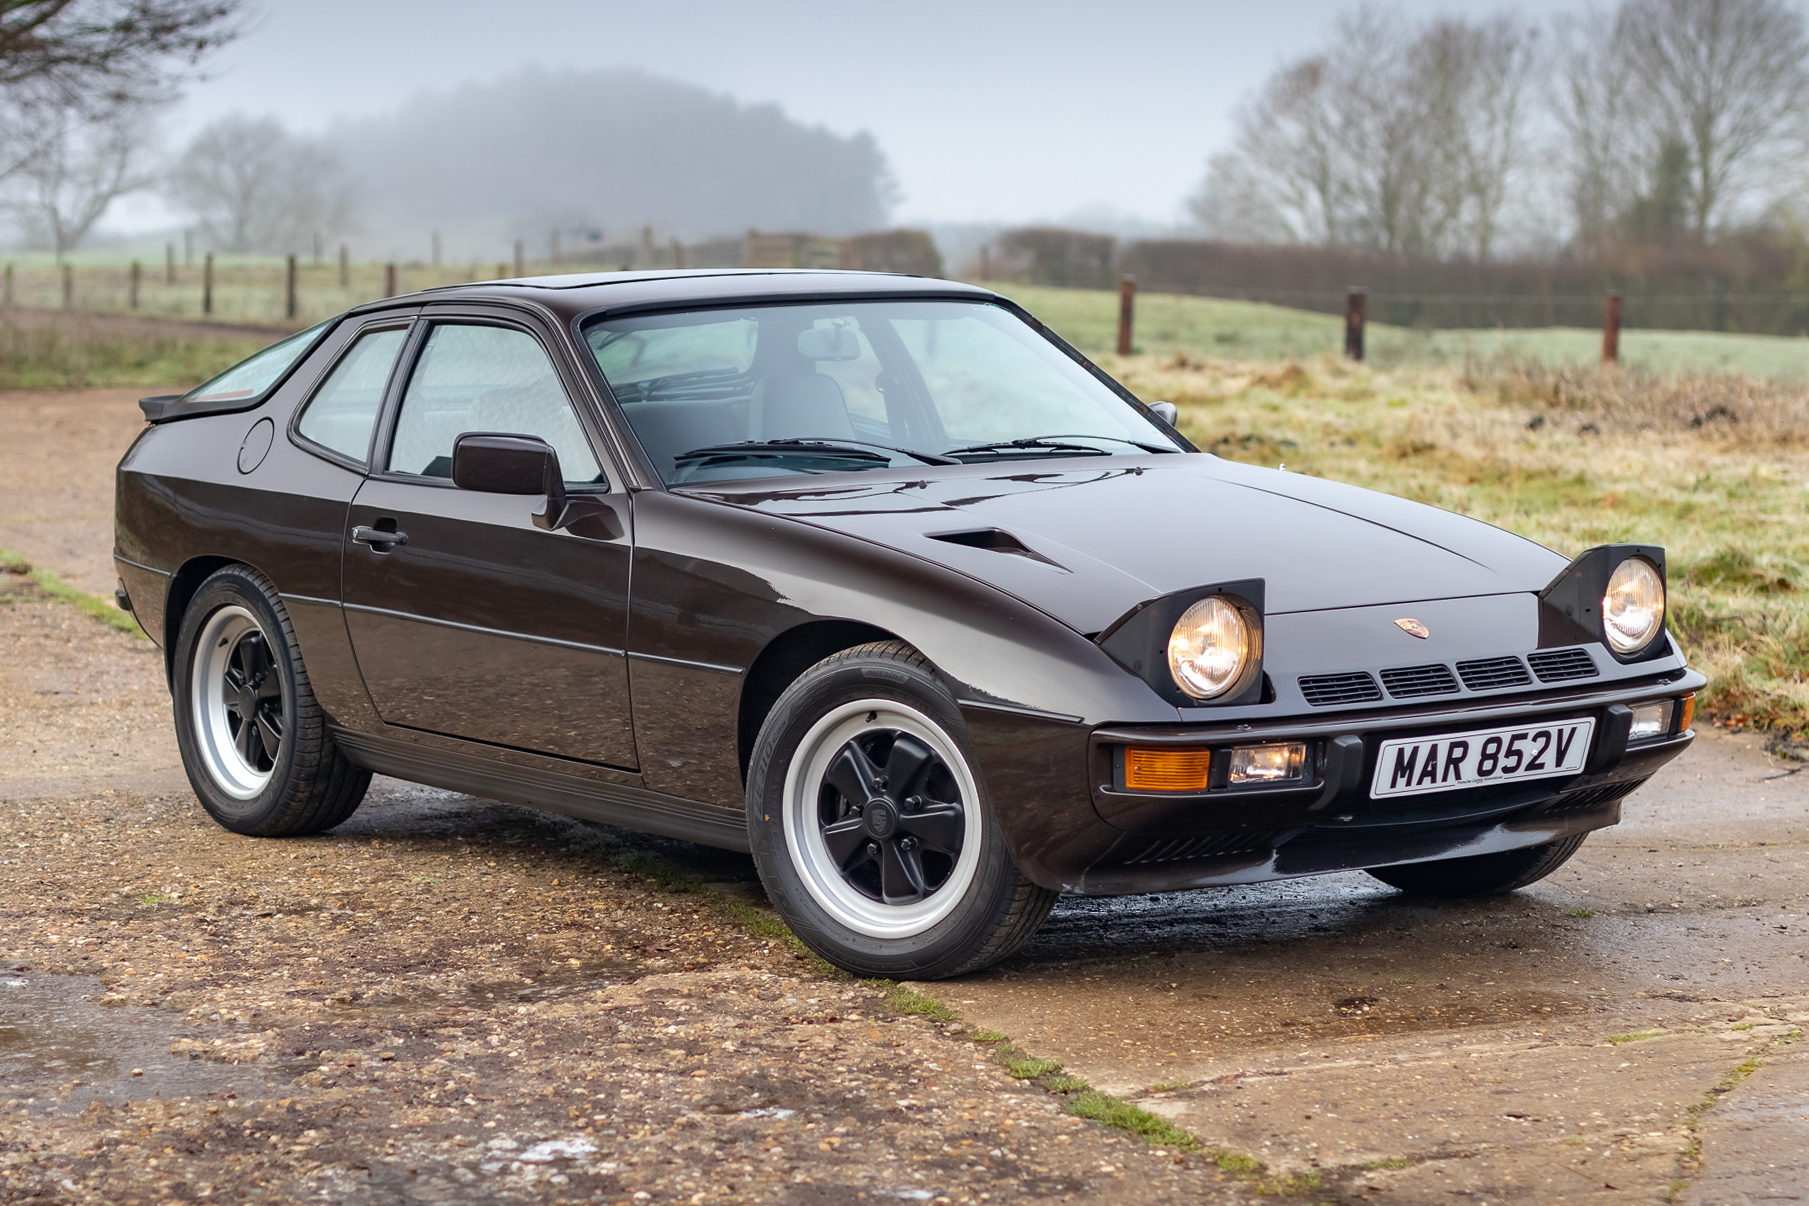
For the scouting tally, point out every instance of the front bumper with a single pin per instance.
(1327, 822)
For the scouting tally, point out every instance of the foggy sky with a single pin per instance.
(987, 110)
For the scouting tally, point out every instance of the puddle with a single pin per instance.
(548, 985)
(60, 1048)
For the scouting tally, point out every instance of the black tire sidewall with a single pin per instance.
(951, 942)
(229, 587)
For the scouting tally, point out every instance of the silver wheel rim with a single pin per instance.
(235, 682)
(810, 794)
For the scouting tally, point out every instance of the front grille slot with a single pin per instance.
(1562, 665)
(1328, 690)
(1405, 681)
(1594, 797)
(1493, 673)
(1168, 850)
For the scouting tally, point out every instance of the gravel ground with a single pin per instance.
(445, 1000)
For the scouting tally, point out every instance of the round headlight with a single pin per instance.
(1209, 648)
(1633, 610)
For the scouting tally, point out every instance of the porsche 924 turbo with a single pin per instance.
(872, 577)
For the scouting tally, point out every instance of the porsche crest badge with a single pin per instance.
(1413, 628)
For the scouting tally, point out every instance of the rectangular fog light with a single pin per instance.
(1651, 721)
(1267, 763)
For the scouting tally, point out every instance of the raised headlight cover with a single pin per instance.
(1633, 607)
(1209, 648)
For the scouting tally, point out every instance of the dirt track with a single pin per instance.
(452, 1000)
(442, 1000)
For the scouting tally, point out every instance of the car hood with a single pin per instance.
(1087, 543)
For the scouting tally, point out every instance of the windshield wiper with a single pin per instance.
(827, 445)
(1055, 443)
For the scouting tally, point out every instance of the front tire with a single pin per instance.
(1482, 874)
(872, 829)
(253, 738)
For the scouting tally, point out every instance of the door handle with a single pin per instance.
(378, 540)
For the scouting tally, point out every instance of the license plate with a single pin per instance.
(1412, 766)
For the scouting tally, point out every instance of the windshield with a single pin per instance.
(836, 386)
(252, 378)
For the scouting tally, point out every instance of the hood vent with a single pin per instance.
(994, 540)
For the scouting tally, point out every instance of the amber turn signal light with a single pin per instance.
(1689, 713)
(1166, 769)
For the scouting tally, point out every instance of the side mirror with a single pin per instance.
(1165, 411)
(495, 463)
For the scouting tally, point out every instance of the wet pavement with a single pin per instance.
(1555, 1045)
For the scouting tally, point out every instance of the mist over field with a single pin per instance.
(600, 154)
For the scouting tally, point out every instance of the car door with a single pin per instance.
(467, 619)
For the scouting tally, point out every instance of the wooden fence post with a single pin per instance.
(132, 287)
(207, 284)
(436, 249)
(289, 288)
(389, 279)
(1127, 304)
(1356, 317)
(1611, 328)
(518, 258)
(345, 266)
(319, 243)
(169, 263)
(985, 262)
(68, 286)
(678, 254)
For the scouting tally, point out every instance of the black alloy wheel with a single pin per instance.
(891, 817)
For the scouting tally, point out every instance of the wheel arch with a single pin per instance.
(183, 584)
(785, 658)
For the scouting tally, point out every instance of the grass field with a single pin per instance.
(1237, 330)
(1571, 462)
(74, 357)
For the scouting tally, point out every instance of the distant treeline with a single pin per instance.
(1757, 283)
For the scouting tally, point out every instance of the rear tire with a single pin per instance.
(254, 740)
(1482, 874)
(871, 826)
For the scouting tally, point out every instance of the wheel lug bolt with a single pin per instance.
(908, 843)
(873, 849)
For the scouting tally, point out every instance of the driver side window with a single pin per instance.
(483, 378)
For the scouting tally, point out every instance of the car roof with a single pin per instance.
(579, 293)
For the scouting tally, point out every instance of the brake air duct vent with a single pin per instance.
(1493, 673)
(1403, 682)
(1562, 665)
(1330, 690)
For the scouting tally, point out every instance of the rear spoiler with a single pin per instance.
(161, 408)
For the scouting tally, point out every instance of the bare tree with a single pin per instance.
(1729, 79)
(84, 48)
(1604, 143)
(253, 186)
(83, 163)
(1283, 180)
(1395, 137)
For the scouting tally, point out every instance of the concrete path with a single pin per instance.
(1585, 1039)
